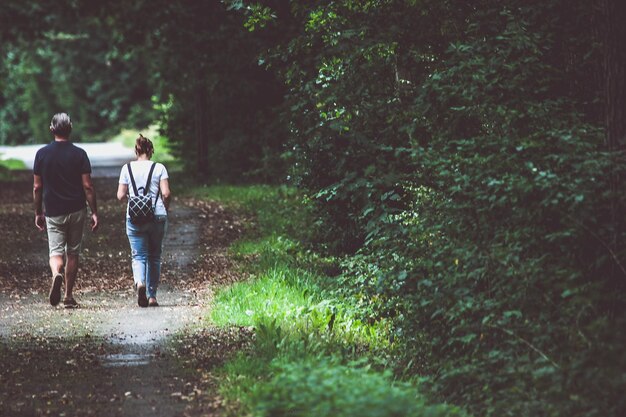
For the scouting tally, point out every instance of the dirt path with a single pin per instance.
(110, 357)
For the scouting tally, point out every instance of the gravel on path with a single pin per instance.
(109, 356)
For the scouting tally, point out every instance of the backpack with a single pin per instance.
(140, 208)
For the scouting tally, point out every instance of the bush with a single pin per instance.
(327, 389)
(462, 170)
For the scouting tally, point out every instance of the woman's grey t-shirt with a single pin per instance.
(141, 169)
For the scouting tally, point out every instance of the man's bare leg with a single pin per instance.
(71, 270)
(56, 266)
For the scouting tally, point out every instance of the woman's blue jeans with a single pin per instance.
(146, 245)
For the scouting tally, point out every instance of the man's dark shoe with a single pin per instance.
(70, 303)
(55, 291)
(142, 300)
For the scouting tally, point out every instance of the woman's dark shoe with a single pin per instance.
(142, 300)
(153, 302)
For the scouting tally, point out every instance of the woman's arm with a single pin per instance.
(165, 192)
(122, 192)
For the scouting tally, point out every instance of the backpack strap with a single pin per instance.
(145, 190)
(132, 179)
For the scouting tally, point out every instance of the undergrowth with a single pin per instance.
(313, 356)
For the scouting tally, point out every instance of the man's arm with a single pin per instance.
(40, 220)
(90, 193)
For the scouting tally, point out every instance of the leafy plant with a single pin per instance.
(325, 388)
(461, 171)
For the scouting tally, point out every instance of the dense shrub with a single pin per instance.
(456, 154)
(322, 388)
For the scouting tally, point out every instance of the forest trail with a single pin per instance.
(108, 357)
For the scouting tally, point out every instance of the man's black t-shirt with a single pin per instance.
(61, 165)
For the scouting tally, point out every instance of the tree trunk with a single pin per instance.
(615, 73)
(614, 40)
(201, 132)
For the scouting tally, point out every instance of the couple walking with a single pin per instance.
(62, 185)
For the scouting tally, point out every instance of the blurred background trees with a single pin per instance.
(190, 66)
(64, 63)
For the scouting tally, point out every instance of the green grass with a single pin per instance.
(254, 197)
(11, 164)
(271, 295)
(8, 165)
(325, 388)
(289, 300)
(312, 354)
(278, 210)
(162, 150)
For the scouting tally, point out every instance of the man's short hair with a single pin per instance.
(61, 125)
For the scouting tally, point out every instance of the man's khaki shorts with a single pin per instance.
(65, 233)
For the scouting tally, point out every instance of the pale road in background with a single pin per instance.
(106, 158)
(100, 154)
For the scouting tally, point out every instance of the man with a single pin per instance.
(62, 182)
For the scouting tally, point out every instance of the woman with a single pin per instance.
(146, 239)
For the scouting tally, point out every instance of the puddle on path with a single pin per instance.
(125, 359)
(132, 374)
(138, 332)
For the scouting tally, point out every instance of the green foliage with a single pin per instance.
(299, 327)
(287, 308)
(107, 65)
(162, 146)
(239, 378)
(222, 117)
(323, 388)
(284, 295)
(11, 164)
(462, 171)
(270, 295)
(452, 152)
(81, 73)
